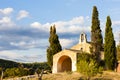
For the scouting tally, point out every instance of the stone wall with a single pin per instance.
(118, 67)
(85, 47)
(60, 58)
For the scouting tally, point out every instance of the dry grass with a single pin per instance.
(111, 75)
(62, 76)
(107, 75)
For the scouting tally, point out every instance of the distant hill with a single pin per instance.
(21, 69)
(8, 63)
(11, 64)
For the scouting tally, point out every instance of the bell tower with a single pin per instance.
(83, 38)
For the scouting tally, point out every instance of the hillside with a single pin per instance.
(13, 69)
(11, 64)
(8, 63)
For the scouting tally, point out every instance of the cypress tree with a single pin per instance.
(96, 36)
(109, 46)
(118, 52)
(54, 45)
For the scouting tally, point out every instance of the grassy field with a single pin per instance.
(77, 76)
(107, 75)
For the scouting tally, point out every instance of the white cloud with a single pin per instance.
(35, 25)
(66, 42)
(25, 45)
(10, 55)
(5, 19)
(6, 23)
(117, 36)
(6, 11)
(76, 20)
(22, 14)
(22, 43)
(116, 23)
(87, 17)
(43, 27)
(74, 25)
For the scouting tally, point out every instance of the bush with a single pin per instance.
(25, 69)
(12, 72)
(87, 65)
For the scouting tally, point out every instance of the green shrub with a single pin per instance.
(87, 65)
(12, 72)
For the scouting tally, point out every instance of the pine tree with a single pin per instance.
(96, 36)
(54, 45)
(109, 46)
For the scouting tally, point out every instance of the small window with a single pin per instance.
(82, 38)
(81, 49)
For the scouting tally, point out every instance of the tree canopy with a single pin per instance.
(96, 36)
(54, 45)
(109, 46)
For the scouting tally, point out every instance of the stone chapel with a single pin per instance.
(66, 60)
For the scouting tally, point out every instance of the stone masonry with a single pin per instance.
(66, 60)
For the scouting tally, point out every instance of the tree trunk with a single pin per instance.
(40, 76)
(1, 76)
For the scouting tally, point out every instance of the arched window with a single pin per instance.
(81, 49)
(82, 37)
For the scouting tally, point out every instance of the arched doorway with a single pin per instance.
(64, 64)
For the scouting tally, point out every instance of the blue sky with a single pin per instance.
(24, 25)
